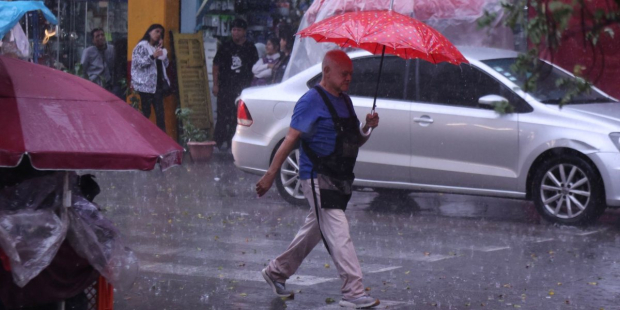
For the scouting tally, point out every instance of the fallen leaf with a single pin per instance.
(592, 283)
(326, 265)
(551, 293)
(329, 300)
(507, 285)
(407, 272)
(427, 253)
(243, 295)
(367, 289)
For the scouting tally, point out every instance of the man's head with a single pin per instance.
(337, 71)
(238, 30)
(98, 37)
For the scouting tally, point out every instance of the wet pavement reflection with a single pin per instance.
(202, 237)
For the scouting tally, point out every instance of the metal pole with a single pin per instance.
(58, 36)
(85, 23)
(391, 5)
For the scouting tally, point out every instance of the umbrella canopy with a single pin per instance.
(375, 31)
(381, 32)
(63, 122)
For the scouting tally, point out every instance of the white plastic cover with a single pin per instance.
(33, 225)
(455, 19)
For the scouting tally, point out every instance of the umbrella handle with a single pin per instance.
(364, 134)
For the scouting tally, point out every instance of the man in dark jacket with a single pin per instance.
(232, 72)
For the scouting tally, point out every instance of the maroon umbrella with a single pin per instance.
(63, 122)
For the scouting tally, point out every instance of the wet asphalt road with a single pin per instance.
(202, 238)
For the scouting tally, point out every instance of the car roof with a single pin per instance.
(470, 52)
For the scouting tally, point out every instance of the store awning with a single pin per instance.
(11, 12)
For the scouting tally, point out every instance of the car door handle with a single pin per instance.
(424, 119)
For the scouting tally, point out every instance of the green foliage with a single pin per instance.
(545, 22)
(190, 132)
(503, 107)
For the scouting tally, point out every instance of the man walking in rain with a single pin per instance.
(330, 134)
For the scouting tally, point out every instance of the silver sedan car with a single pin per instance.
(439, 132)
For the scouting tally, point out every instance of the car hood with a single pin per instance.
(609, 112)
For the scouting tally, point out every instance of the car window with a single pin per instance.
(364, 79)
(457, 85)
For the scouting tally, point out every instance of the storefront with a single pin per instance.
(61, 46)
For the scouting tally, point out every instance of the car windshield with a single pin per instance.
(546, 90)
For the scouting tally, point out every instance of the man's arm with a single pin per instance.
(85, 63)
(292, 137)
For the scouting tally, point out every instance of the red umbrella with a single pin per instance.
(381, 32)
(63, 122)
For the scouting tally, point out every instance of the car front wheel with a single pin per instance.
(288, 182)
(568, 190)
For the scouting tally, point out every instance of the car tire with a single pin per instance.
(568, 190)
(288, 182)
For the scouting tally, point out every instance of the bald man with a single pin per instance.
(330, 134)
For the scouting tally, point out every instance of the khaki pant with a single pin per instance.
(335, 228)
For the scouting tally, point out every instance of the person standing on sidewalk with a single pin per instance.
(330, 134)
(232, 72)
(98, 60)
(148, 73)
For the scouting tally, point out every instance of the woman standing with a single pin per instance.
(148, 73)
(286, 47)
(262, 68)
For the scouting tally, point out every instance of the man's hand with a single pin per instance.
(264, 184)
(372, 121)
(215, 90)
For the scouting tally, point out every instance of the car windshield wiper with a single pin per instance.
(596, 100)
(552, 100)
(577, 101)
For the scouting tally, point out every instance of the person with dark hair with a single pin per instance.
(232, 72)
(287, 39)
(262, 68)
(98, 60)
(148, 73)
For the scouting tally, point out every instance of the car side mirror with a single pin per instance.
(492, 100)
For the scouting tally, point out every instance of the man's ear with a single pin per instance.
(326, 70)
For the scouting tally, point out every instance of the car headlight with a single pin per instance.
(615, 138)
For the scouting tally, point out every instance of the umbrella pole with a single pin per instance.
(66, 192)
(374, 103)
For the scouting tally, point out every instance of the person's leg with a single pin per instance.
(231, 120)
(146, 100)
(158, 105)
(219, 134)
(285, 265)
(335, 229)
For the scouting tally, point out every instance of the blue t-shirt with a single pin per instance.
(311, 116)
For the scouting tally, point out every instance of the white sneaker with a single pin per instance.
(360, 303)
(278, 288)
